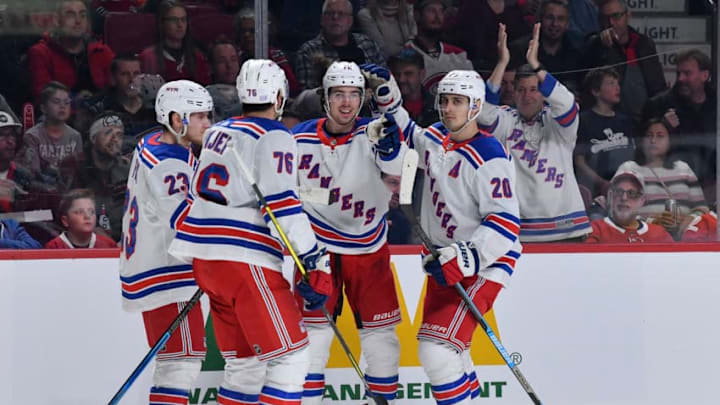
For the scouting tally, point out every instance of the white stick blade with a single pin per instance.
(407, 176)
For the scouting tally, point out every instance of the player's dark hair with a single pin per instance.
(523, 72)
(541, 10)
(593, 82)
(407, 56)
(221, 40)
(640, 157)
(253, 108)
(49, 90)
(69, 198)
(703, 61)
(127, 57)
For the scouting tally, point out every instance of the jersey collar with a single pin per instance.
(333, 141)
(448, 144)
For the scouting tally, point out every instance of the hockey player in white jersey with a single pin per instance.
(153, 282)
(336, 153)
(469, 208)
(540, 133)
(236, 251)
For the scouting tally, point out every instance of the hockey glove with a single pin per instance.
(318, 287)
(457, 261)
(385, 136)
(386, 92)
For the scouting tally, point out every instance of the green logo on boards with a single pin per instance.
(213, 360)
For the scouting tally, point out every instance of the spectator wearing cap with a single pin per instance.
(335, 42)
(52, 150)
(12, 180)
(124, 97)
(14, 236)
(408, 68)
(438, 57)
(244, 31)
(174, 56)
(68, 56)
(390, 23)
(622, 225)
(689, 109)
(106, 172)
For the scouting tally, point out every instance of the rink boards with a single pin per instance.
(622, 327)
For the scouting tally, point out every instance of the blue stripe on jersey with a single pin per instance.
(238, 396)
(548, 85)
(349, 240)
(154, 272)
(490, 128)
(573, 215)
(276, 393)
(227, 222)
(280, 196)
(217, 240)
(492, 97)
(176, 214)
(569, 117)
(541, 232)
(467, 157)
(283, 212)
(159, 287)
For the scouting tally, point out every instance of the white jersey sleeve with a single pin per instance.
(563, 109)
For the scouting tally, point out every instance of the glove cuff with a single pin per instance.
(467, 258)
(388, 97)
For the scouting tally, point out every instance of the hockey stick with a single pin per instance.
(156, 347)
(379, 399)
(407, 179)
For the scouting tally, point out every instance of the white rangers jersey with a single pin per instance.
(354, 222)
(155, 199)
(551, 207)
(225, 221)
(449, 58)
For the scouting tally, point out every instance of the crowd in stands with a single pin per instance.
(637, 156)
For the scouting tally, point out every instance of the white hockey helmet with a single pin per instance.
(466, 83)
(340, 74)
(182, 97)
(260, 81)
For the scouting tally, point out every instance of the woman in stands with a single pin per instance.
(673, 193)
(175, 56)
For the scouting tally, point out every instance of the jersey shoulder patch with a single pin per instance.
(488, 147)
(253, 126)
(151, 151)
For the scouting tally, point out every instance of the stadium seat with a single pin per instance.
(129, 33)
(207, 28)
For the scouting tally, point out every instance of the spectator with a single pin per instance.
(52, 150)
(244, 28)
(125, 99)
(174, 56)
(399, 230)
(335, 42)
(68, 56)
(634, 54)
(389, 23)
(290, 118)
(540, 133)
(702, 228)
(14, 236)
(507, 87)
(224, 61)
(477, 28)
(77, 215)
(12, 180)
(605, 138)
(622, 225)
(408, 67)
(439, 57)
(557, 53)
(689, 111)
(106, 172)
(665, 179)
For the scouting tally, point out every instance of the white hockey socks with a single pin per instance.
(381, 350)
(445, 369)
(173, 380)
(321, 338)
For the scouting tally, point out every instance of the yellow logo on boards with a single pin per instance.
(413, 281)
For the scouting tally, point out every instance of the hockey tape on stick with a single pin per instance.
(379, 399)
(407, 176)
(156, 347)
(314, 195)
(407, 179)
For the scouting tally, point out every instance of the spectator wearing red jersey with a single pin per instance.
(78, 217)
(66, 55)
(626, 196)
(702, 228)
(174, 56)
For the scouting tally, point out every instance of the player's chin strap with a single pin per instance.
(279, 111)
(184, 129)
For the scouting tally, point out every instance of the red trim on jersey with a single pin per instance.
(338, 140)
